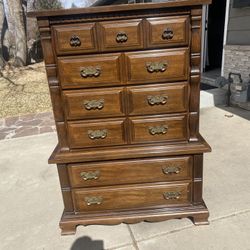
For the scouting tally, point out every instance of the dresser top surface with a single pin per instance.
(67, 10)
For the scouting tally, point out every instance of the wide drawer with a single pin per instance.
(158, 99)
(131, 197)
(83, 104)
(167, 31)
(95, 133)
(130, 172)
(75, 38)
(121, 35)
(89, 71)
(157, 66)
(159, 129)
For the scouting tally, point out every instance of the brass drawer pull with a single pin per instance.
(94, 104)
(93, 200)
(97, 134)
(157, 130)
(121, 37)
(171, 170)
(172, 195)
(75, 41)
(156, 66)
(90, 175)
(90, 71)
(168, 34)
(157, 100)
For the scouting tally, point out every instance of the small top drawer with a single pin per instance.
(168, 31)
(75, 39)
(121, 35)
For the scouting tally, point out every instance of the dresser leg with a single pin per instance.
(200, 219)
(67, 228)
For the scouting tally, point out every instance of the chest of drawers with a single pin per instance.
(124, 84)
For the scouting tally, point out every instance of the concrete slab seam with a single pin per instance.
(190, 226)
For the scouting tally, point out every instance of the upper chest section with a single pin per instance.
(121, 31)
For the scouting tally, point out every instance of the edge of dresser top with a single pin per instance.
(116, 8)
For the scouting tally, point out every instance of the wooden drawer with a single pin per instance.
(130, 172)
(83, 104)
(86, 71)
(96, 133)
(131, 197)
(157, 65)
(159, 129)
(168, 31)
(121, 35)
(158, 99)
(70, 39)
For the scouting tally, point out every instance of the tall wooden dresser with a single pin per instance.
(124, 83)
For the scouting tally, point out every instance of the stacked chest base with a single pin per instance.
(124, 84)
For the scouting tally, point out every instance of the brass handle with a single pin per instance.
(172, 195)
(156, 66)
(93, 200)
(97, 134)
(168, 34)
(171, 170)
(157, 130)
(121, 37)
(90, 175)
(157, 100)
(94, 104)
(75, 41)
(90, 71)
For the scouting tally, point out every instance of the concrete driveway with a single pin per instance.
(31, 203)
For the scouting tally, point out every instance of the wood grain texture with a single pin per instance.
(131, 197)
(78, 103)
(178, 26)
(158, 99)
(132, 171)
(129, 32)
(176, 66)
(124, 83)
(70, 71)
(176, 129)
(78, 133)
(85, 33)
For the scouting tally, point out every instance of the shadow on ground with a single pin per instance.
(86, 243)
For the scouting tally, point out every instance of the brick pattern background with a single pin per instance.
(24, 125)
(237, 60)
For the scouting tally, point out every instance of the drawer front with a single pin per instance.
(121, 35)
(130, 172)
(168, 31)
(131, 197)
(158, 99)
(157, 66)
(75, 39)
(83, 104)
(159, 129)
(85, 71)
(92, 134)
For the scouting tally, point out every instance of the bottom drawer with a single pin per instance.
(131, 197)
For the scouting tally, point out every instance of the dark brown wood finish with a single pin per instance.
(131, 197)
(131, 171)
(124, 84)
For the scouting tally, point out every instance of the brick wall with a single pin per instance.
(237, 60)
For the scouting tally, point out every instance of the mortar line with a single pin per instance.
(133, 238)
(190, 226)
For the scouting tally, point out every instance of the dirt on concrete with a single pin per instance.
(24, 90)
